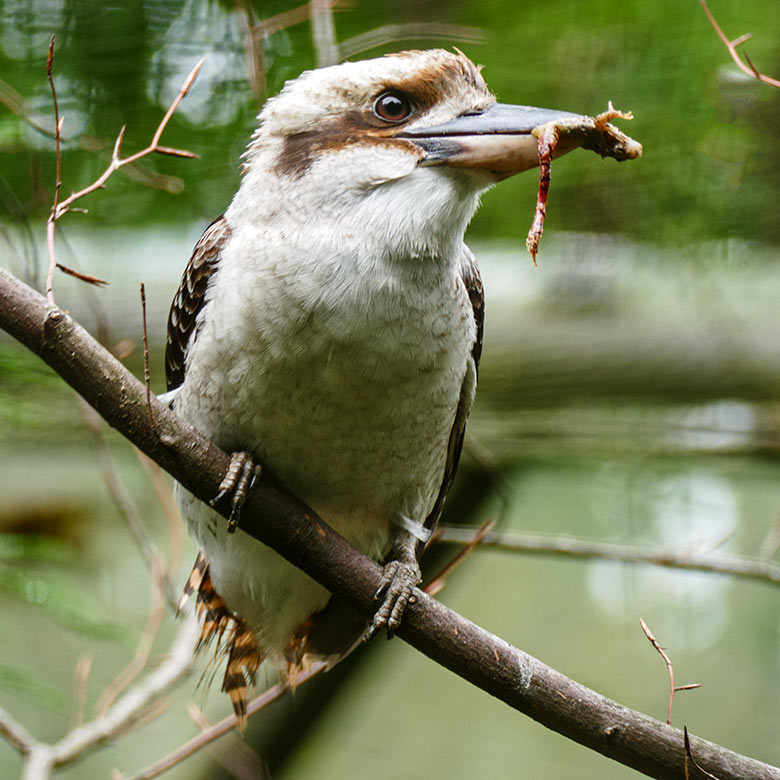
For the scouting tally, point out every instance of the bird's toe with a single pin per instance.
(237, 482)
(395, 590)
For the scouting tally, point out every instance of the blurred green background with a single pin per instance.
(628, 390)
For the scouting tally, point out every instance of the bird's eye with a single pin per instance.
(392, 107)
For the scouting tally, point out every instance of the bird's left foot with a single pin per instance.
(238, 481)
(395, 591)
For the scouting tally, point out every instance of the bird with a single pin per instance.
(329, 326)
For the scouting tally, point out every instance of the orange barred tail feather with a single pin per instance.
(199, 570)
(232, 637)
(215, 614)
(244, 659)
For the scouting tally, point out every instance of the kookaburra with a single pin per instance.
(330, 325)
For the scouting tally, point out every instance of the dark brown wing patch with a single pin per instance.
(190, 299)
(473, 282)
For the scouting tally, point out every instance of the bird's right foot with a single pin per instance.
(238, 481)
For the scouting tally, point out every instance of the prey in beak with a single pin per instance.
(507, 139)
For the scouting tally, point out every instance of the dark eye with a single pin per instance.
(392, 107)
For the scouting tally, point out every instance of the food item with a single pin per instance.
(562, 135)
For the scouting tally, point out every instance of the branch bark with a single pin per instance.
(297, 533)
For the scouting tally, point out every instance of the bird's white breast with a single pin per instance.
(340, 369)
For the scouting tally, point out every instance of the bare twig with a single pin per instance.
(127, 712)
(15, 103)
(669, 668)
(162, 489)
(81, 675)
(749, 68)
(323, 33)
(82, 277)
(439, 580)
(126, 505)
(234, 754)
(253, 46)
(15, 734)
(42, 758)
(771, 541)
(137, 664)
(390, 33)
(59, 208)
(147, 373)
(219, 729)
(58, 177)
(287, 19)
(689, 758)
(732, 565)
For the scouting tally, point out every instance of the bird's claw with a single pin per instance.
(395, 590)
(238, 481)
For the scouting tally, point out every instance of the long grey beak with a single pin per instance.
(498, 140)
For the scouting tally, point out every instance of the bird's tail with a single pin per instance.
(232, 636)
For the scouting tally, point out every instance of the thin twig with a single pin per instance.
(749, 68)
(15, 734)
(323, 33)
(135, 704)
(732, 565)
(689, 757)
(286, 19)
(164, 493)
(59, 208)
(391, 33)
(58, 177)
(126, 505)
(439, 580)
(81, 675)
(669, 668)
(771, 541)
(117, 162)
(93, 280)
(139, 660)
(147, 373)
(234, 753)
(222, 727)
(254, 50)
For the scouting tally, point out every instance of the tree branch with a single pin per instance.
(566, 547)
(297, 533)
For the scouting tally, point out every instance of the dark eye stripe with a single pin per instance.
(392, 107)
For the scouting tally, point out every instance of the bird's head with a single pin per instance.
(401, 145)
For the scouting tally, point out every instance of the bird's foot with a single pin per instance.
(238, 481)
(395, 591)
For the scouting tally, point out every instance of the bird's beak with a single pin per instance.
(498, 140)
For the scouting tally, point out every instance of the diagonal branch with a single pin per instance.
(298, 534)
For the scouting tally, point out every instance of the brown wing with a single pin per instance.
(473, 282)
(190, 299)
